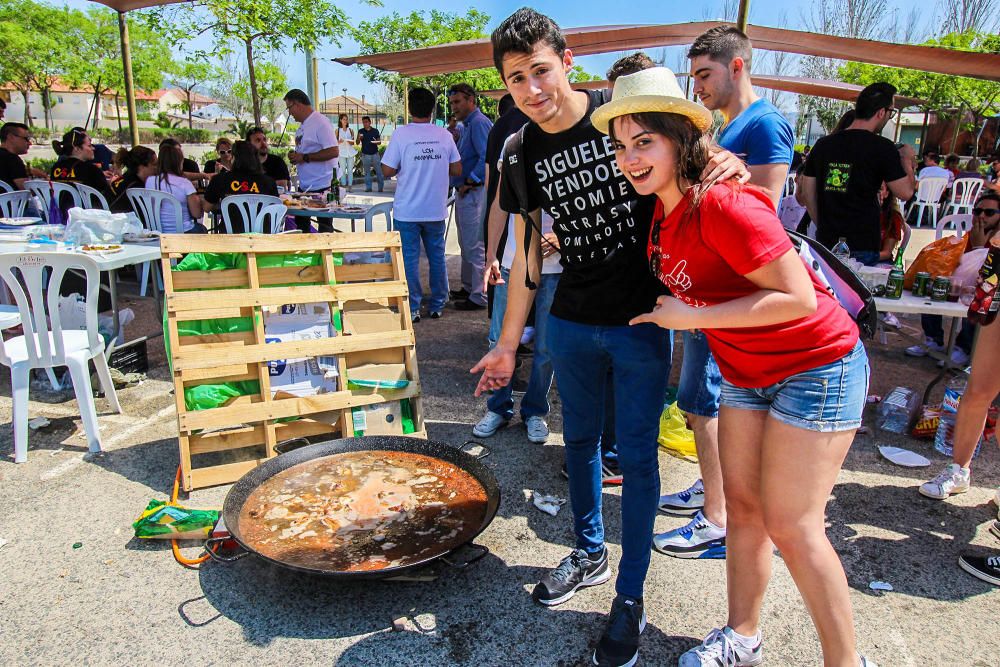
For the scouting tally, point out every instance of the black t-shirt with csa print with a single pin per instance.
(602, 224)
(72, 170)
(120, 203)
(239, 182)
(850, 167)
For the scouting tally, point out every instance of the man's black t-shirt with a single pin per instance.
(369, 140)
(119, 203)
(239, 182)
(276, 168)
(11, 167)
(189, 166)
(602, 224)
(850, 167)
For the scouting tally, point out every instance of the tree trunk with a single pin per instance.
(92, 109)
(190, 113)
(958, 124)
(118, 110)
(25, 93)
(47, 106)
(254, 97)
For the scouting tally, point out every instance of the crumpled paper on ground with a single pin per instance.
(548, 504)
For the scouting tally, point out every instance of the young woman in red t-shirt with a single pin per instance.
(795, 373)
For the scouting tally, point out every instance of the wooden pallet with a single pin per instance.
(247, 428)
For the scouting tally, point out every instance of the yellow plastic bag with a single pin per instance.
(675, 437)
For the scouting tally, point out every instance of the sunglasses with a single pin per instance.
(985, 211)
(223, 151)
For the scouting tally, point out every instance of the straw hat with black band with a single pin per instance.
(650, 90)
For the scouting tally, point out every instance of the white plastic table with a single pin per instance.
(912, 305)
(131, 253)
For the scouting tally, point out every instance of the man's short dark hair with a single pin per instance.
(874, 98)
(932, 155)
(721, 44)
(364, 118)
(521, 31)
(422, 102)
(462, 89)
(7, 129)
(992, 196)
(297, 95)
(630, 64)
(255, 130)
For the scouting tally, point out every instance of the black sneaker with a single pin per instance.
(435, 314)
(619, 645)
(466, 304)
(986, 568)
(610, 475)
(457, 294)
(575, 571)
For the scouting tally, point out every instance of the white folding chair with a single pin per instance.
(45, 344)
(45, 189)
(929, 193)
(91, 197)
(964, 193)
(243, 210)
(385, 209)
(148, 205)
(6, 187)
(962, 223)
(12, 204)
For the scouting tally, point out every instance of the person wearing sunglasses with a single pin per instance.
(985, 222)
(76, 152)
(224, 147)
(15, 139)
(841, 178)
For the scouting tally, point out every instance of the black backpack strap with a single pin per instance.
(515, 175)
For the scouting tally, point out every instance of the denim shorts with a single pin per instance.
(826, 398)
(701, 380)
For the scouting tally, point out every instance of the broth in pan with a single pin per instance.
(363, 511)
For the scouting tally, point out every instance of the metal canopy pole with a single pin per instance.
(133, 123)
(744, 15)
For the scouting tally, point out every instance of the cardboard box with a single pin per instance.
(364, 317)
(379, 419)
(305, 376)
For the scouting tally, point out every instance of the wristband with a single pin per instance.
(305, 157)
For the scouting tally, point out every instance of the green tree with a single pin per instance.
(33, 53)
(262, 25)
(949, 96)
(188, 76)
(271, 88)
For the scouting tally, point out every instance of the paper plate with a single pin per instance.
(904, 457)
(19, 222)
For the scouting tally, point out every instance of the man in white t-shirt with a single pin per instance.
(930, 169)
(422, 156)
(315, 153)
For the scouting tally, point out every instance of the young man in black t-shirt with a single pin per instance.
(273, 165)
(369, 139)
(842, 176)
(15, 138)
(602, 226)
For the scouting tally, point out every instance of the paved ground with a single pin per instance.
(117, 600)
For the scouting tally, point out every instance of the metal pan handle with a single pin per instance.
(486, 450)
(213, 541)
(481, 551)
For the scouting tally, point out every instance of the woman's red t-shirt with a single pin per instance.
(703, 258)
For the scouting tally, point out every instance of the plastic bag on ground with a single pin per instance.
(675, 437)
(162, 520)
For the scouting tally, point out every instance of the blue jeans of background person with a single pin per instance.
(346, 164)
(369, 163)
(639, 359)
(701, 379)
(933, 326)
(411, 234)
(866, 257)
(469, 224)
(535, 402)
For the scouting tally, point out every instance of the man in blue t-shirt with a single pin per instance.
(757, 132)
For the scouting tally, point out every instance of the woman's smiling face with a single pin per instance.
(648, 159)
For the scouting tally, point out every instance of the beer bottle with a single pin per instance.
(984, 306)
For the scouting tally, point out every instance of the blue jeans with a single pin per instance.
(701, 379)
(535, 402)
(866, 257)
(369, 163)
(933, 326)
(827, 398)
(346, 164)
(432, 235)
(639, 360)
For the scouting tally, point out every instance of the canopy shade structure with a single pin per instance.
(122, 6)
(473, 54)
(836, 90)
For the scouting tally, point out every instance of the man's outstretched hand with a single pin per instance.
(497, 367)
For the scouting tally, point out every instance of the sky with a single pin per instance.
(568, 13)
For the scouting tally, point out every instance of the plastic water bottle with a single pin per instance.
(841, 250)
(944, 438)
(898, 410)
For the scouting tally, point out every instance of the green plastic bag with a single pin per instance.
(162, 520)
(675, 437)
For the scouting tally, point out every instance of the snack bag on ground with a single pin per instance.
(675, 437)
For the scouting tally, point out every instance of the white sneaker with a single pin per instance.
(700, 538)
(722, 648)
(921, 350)
(685, 503)
(959, 357)
(953, 479)
(488, 425)
(890, 320)
(538, 430)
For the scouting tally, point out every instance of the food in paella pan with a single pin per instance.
(359, 511)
